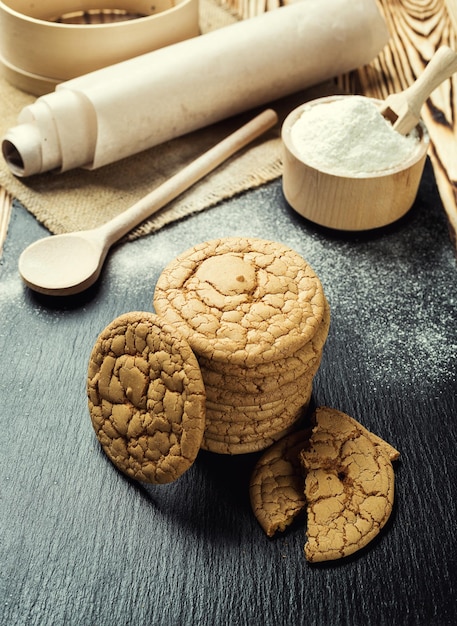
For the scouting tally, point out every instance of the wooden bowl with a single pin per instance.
(344, 202)
(47, 42)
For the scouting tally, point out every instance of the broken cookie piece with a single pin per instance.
(277, 483)
(146, 398)
(349, 486)
(340, 472)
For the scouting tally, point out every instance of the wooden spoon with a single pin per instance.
(403, 109)
(69, 263)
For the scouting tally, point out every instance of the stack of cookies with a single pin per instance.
(256, 318)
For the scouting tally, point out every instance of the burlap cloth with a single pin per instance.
(82, 199)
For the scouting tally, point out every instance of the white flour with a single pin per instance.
(349, 137)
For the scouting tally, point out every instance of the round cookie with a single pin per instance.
(253, 431)
(223, 419)
(217, 413)
(146, 398)
(221, 447)
(262, 385)
(246, 401)
(241, 301)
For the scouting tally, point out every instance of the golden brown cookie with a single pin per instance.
(349, 486)
(219, 417)
(220, 384)
(146, 398)
(241, 301)
(225, 397)
(277, 483)
(254, 430)
(340, 472)
(256, 317)
(348, 424)
(221, 447)
(267, 376)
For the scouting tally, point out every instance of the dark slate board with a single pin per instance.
(82, 545)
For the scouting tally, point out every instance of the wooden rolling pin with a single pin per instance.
(123, 109)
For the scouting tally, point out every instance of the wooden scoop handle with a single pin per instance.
(441, 66)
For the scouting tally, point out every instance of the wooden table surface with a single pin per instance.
(82, 545)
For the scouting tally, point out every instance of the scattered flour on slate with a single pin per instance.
(11, 289)
(393, 330)
(375, 289)
(404, 336)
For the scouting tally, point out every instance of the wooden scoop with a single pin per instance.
(69, 263)
(403, 109)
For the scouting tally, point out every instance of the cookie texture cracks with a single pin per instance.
(146, 398)
(242, 301)
(340, 473)
(277, 484)
(256, 318)
(349, 486)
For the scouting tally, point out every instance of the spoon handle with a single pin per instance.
(116, 228)
(440, 67)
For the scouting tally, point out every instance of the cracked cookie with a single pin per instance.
(268, 377)
(339, 472)
(241, 301)
(146, 398)
(277, 484)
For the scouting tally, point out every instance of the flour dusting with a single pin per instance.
(401, 333)
(393, 307)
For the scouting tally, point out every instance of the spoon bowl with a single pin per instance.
(62, 264)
